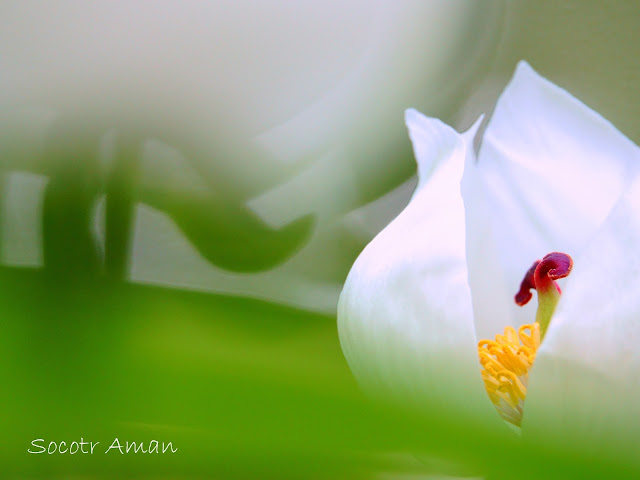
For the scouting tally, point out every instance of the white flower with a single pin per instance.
(550, 175)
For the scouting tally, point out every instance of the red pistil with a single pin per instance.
(542, 276)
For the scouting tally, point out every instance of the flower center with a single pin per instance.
(507, 360)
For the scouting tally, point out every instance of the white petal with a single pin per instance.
(552, 169)
(491, 312)
(404, 317)
(585, 382)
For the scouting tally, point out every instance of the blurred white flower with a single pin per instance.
(246, 92)
(271, 109)
(550, 175)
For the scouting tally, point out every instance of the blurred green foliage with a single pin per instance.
(243, 389)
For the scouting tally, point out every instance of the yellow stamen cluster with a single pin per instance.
(506, 362)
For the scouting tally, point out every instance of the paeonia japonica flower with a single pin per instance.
(434, 312)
